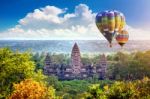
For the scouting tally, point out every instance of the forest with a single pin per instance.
(21, 77)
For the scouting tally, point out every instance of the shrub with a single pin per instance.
(30, 89)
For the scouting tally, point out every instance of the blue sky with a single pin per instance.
(12, 11)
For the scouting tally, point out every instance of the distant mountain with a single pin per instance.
(65, 46)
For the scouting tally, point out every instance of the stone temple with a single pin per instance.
(76, 63)
(75, 70)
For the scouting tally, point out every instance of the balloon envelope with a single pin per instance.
(122, 37)
(109, 23)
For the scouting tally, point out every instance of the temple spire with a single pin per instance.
(76, 59)
(103, 63)
(48, 60)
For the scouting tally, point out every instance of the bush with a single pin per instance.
(139, 89)
(30, 89)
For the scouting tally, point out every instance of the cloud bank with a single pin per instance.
(53, 23)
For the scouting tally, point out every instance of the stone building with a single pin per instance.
(76, 63)
(101, 67)
(75, 70)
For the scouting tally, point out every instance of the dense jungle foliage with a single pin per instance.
(21, 77)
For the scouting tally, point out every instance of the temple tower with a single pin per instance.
(48, 60)
(103, 64)
(49, 68)
(76, 60)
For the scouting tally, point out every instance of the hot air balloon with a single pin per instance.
(122, 37)
(109, 23)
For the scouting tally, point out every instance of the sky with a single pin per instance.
(69, 19)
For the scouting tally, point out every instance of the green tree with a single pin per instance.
(130, 66)
(139, 89)
(95, 92)
(14, 67)
(60, 58)
(53, 81)
(39, 60)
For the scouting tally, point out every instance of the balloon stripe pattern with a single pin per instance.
(122, 37)
(109, 23)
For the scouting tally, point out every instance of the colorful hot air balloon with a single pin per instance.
(109, 23)
(122, 37)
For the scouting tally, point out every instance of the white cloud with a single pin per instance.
(48, 14)
(51, 22)
(75, 32)
(138, 34)
(16, 29)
